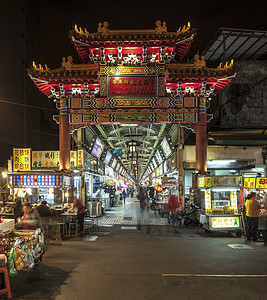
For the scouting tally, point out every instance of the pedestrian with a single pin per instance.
(252, 215)
(174, 205)
(77, 204)
(141, 196)
(132, 192)
(124, 194)
(151, 192)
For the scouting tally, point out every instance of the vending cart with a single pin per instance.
(220, 196)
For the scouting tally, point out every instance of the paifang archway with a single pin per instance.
(132, 77)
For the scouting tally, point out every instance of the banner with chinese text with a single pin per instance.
(42, 160)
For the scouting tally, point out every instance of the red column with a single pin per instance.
(64, 137)
(201, 144)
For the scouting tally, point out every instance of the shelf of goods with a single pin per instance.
(22, 248)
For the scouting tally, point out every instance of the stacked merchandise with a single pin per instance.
(22, 251)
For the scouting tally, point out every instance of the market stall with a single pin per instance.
(220, 196)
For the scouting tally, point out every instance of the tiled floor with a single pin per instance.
(131, 214)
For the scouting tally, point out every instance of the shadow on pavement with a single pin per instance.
(42, 282)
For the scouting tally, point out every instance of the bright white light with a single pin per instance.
(221, 162)
(225, 189)
(4, 174)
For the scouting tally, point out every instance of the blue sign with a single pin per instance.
(117, 152)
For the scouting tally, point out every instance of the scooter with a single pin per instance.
(190, 216)
(154, 205)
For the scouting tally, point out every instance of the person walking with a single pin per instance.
(141, 196)
(124, 194)
(252, 215)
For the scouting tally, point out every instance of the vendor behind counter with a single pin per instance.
(43, 209)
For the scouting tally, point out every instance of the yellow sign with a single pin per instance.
(42, 160)
(249, 183)
(233, 198)
(261, 183)
(21, 159)
(208, 201)
(224, 222)
(201, 181)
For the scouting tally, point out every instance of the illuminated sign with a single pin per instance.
(45, 160)
(21, 159)
(261, 183)
(208, 201)
(201, 181)
(140, 86)
(35, 181)
(107, 158)
(224, 181)
(98, 148)
(224, 222)
(166, 148)
(158, 188)
(249, 183)
(158, 156)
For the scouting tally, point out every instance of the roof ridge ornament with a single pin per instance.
(103, 29)
(67, 64)
(161, 28)
(226, 65)
(199, 63)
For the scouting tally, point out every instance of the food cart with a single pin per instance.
(220, 196)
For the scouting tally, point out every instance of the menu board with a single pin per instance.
(113, 164)
(154, 163)
(35, 181)
(166, 148)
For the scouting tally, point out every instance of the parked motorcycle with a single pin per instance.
(190, 216)
(154, 204)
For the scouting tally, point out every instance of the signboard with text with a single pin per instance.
(132, 86)
(249, 183)
(21, 159)
(261, 183)
(35, 181)
(43, 160)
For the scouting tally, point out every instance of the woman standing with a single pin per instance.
(31, 219)
(77, 204)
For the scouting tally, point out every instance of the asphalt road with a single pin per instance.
(152, 263)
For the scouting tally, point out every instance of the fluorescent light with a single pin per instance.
(220, 162)
(128, 125)
(225, 189)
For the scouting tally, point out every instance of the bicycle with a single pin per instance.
(175, 220)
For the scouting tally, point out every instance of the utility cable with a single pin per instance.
(27, 105)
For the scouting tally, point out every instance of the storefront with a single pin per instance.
(220, 195)
(38, 186)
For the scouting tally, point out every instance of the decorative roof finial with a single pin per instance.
(103, 29)
(160, 28)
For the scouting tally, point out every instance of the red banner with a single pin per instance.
(132, 86)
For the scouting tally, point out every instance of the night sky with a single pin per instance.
(58, 17)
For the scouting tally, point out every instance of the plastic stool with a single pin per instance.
(6, 289)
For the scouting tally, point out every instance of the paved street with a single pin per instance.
(120, 262)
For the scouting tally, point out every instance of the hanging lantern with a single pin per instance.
(132, 154)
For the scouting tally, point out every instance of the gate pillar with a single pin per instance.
(64, 137)
(201, 144)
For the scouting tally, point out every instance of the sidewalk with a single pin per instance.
(131, 214)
